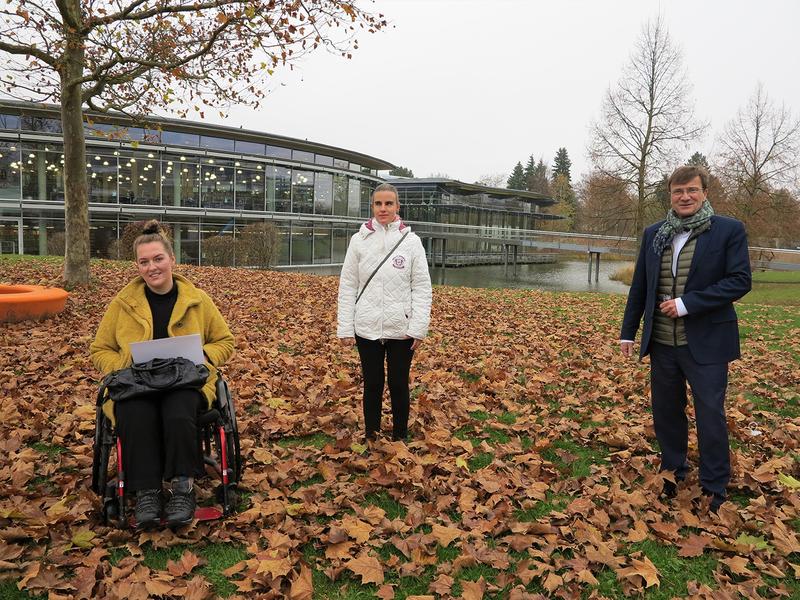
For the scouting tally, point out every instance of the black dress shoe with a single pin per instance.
(148, 509)
(717, 500)
(670, 489)
(180, 507)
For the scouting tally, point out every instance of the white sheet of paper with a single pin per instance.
(187, 346)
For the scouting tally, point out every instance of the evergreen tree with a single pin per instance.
(698, 160)
(401, 172)
(562, 164)
(538, 181)
(517, 179)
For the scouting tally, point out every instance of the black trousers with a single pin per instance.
(159, 437)
(397, 354)
(670, 369)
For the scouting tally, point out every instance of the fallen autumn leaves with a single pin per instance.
(532, 468)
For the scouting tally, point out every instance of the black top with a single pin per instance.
(161, 306)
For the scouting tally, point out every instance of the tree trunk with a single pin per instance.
(76, 196)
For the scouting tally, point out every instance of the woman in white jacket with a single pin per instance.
(386, 317)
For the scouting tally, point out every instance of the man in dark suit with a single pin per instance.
(691, 268)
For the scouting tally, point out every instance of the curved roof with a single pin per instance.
(184, 126)
(454, 186)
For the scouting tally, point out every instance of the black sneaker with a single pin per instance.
(180, 507)
(148, 509)
(717, 500)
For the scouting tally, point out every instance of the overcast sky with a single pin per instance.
(470, 87)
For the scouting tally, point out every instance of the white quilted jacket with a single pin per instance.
(397, 302)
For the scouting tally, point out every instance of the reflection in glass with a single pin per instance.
(303, 156)
(9, 170)
(279, 189)
(9, 122)
(216, 143)
(42, 167)
(178, 138)
(354, 198)
(340, 194)
(139, 178)
(323, 192)
(322, 243)
(180, 181)
(301, 244)
(102, 175)
(249, 147)
(216, 187)
(279, 152)
(321, 159)
(302, 191)
(31, 123)
(366, 198)
(341, 237)
(250, 179)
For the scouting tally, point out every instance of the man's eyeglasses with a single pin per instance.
(692, 191)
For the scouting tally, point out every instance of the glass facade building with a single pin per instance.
(210, 182)
(203, 180)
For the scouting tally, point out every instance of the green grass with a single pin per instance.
(314, 440)
(584, 457)
(51, 450)
(776, 277)
(542, 508)
(9, 591)
(383, 500)
(218, 558)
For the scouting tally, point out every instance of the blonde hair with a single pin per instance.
(153, 232)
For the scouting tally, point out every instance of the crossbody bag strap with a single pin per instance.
(385, 258)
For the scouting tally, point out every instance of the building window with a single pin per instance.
(102, 174)
(354, 198)
(323, 193)
(302, 191)
(178, 138)
(321, 159)
(139, 178)
(180, 181)
(249, 147)
(340, 164)
(31, 123)
(279, 152)
(340, 194)
(322, 243)
(216, 187)
(9, 122)
(279, 190)
(303, 156)
(9, 170)
(216, 143)
(250, 179)
(42, 167)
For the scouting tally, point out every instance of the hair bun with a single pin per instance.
(151, 226)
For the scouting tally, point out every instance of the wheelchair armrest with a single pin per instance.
(209, 417)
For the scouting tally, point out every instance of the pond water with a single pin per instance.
(565, 275)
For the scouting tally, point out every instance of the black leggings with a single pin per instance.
(398, 354)
(159, 437)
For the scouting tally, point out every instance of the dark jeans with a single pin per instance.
(159, 437)
(671, 367)
(398, 354)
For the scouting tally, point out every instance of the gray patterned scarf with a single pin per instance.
(674, 224)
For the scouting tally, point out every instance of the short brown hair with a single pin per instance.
(153, 232)
(686, 173)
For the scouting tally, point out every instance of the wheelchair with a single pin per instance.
(218, 441)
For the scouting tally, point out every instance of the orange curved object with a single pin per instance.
(21, 302)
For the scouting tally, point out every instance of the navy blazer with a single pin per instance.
(719, 275)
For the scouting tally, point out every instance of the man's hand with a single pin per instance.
(348, 342)
(669, 308)
(626, 348)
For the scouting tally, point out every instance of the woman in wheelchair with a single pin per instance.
(159, 432)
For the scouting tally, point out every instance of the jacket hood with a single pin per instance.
(372, 225)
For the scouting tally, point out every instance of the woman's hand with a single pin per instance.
(416, 343)
(348, 341)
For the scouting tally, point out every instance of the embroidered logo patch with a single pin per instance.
(399, 262)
